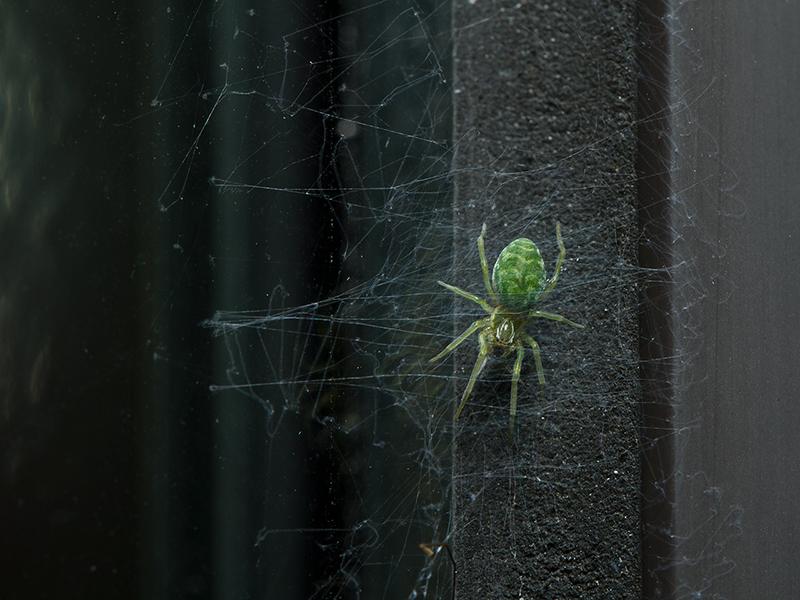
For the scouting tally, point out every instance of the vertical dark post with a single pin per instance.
(731, 182)
(656, 344)
(545, 100)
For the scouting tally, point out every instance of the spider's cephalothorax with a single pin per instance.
(504, 331)
(518, 282)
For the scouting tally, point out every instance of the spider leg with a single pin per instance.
(537, 357)
(562, 252)
(485, 266)
(514, 383)
(480, 362)
(458, 341)
(539, 314)
(464, 294)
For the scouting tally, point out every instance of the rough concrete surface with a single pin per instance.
(545, 103)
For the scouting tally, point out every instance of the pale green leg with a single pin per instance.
(537, 357)
(464, 294)
(562, 252)
(539, 314)
(459, 340)
(483, 356)
(515, 383)
(485, 266)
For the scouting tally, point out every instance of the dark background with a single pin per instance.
(128, 470)
(122, 475)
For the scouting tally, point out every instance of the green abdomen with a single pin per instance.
(518, 276)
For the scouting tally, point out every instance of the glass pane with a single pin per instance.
(227, 223)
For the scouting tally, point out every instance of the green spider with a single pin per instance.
(518, 282)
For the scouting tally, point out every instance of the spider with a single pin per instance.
(518, 282)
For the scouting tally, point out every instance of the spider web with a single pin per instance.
(333, 133)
